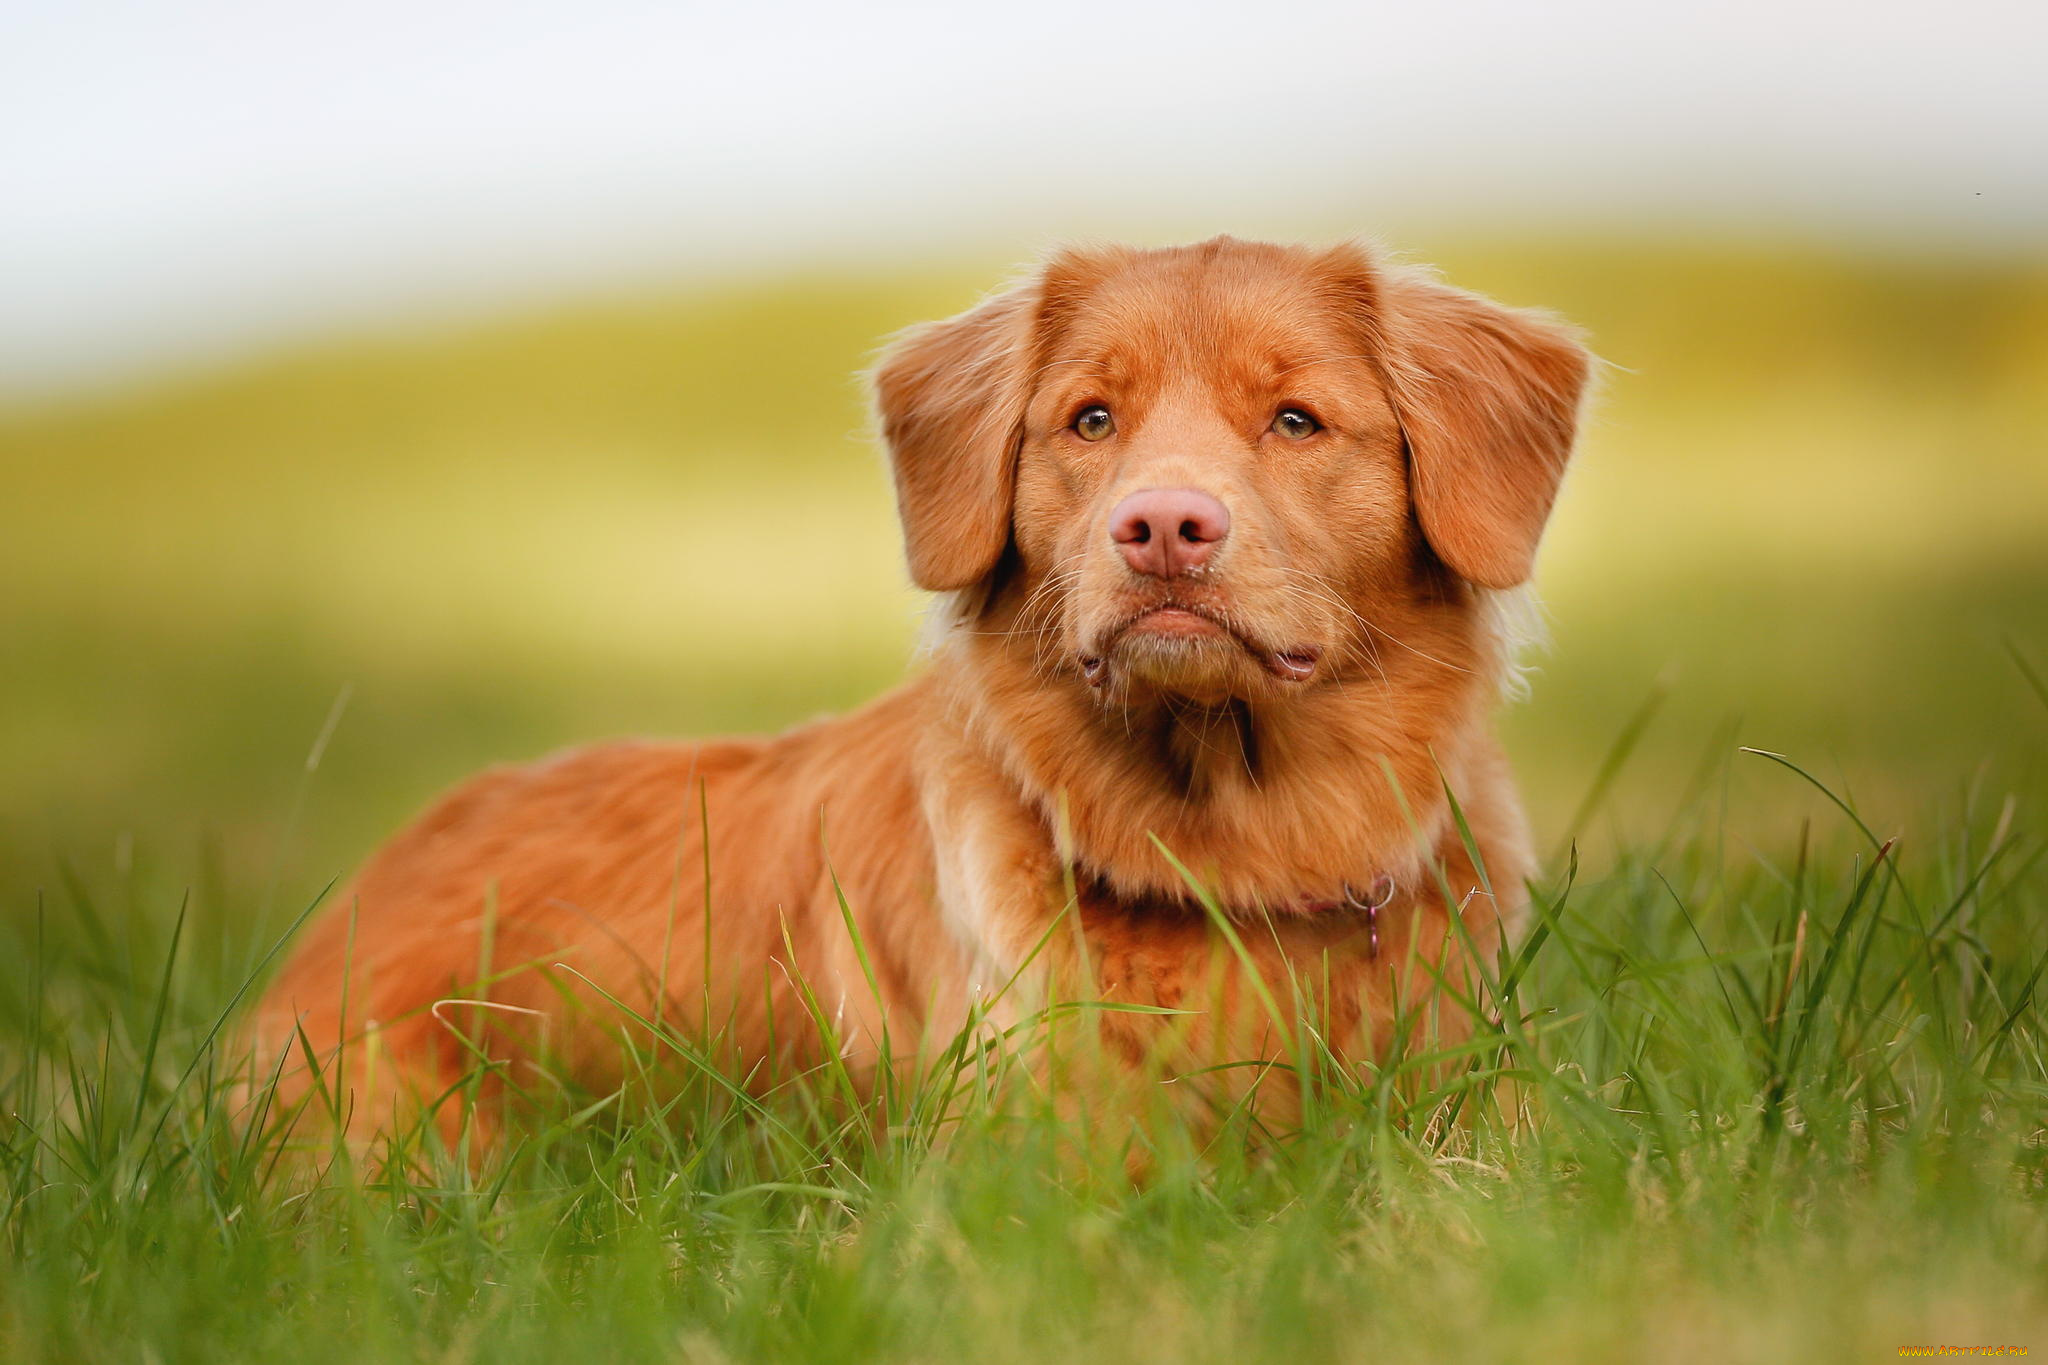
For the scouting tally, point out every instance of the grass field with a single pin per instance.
(1772, 1081)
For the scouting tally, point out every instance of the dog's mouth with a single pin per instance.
(1180, 627)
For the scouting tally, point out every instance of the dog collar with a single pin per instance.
(1376, 897)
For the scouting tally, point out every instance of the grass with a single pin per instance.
(1771, 1085)
(1720, 1105)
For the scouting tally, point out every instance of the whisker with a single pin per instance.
(1378, 629)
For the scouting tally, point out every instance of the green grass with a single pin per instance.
(1806, 519)
(1734, 1106)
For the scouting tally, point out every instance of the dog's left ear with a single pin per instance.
(951, 398)
(1489, 403)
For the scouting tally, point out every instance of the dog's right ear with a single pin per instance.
(951, 399)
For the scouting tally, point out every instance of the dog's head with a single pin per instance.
(1195, 471)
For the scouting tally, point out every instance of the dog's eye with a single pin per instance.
(1295, 424)
(1094, 423)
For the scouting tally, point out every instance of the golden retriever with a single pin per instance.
(1222, 533)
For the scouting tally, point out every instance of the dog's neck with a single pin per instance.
(1299, 799)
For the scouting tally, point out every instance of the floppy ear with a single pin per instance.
(1489, 402)
(951, 400)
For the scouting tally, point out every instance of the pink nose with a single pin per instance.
(1166, 532)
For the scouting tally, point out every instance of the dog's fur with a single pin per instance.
(1077, 722)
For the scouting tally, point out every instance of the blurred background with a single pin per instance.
(392, 389)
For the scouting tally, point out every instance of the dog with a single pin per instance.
(1225, 540)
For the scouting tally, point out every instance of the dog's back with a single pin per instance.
(535, 912)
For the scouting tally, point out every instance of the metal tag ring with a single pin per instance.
(1380, 894)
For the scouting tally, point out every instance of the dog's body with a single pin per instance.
(1222, 530)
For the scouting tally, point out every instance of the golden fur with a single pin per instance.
(1075, 719)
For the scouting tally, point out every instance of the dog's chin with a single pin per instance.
(1187, 654)
(1209, 667)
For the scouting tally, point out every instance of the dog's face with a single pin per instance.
(1195, 472)
(1209, 472)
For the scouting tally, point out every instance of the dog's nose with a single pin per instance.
(1166, 532)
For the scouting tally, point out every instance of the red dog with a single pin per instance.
(1223, 530)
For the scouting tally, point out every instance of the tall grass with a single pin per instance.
(1717, 1103)
(1764, 1081)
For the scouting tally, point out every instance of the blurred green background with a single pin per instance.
(1810, 515)
(393, 389)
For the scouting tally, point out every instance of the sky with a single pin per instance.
(190, 180)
